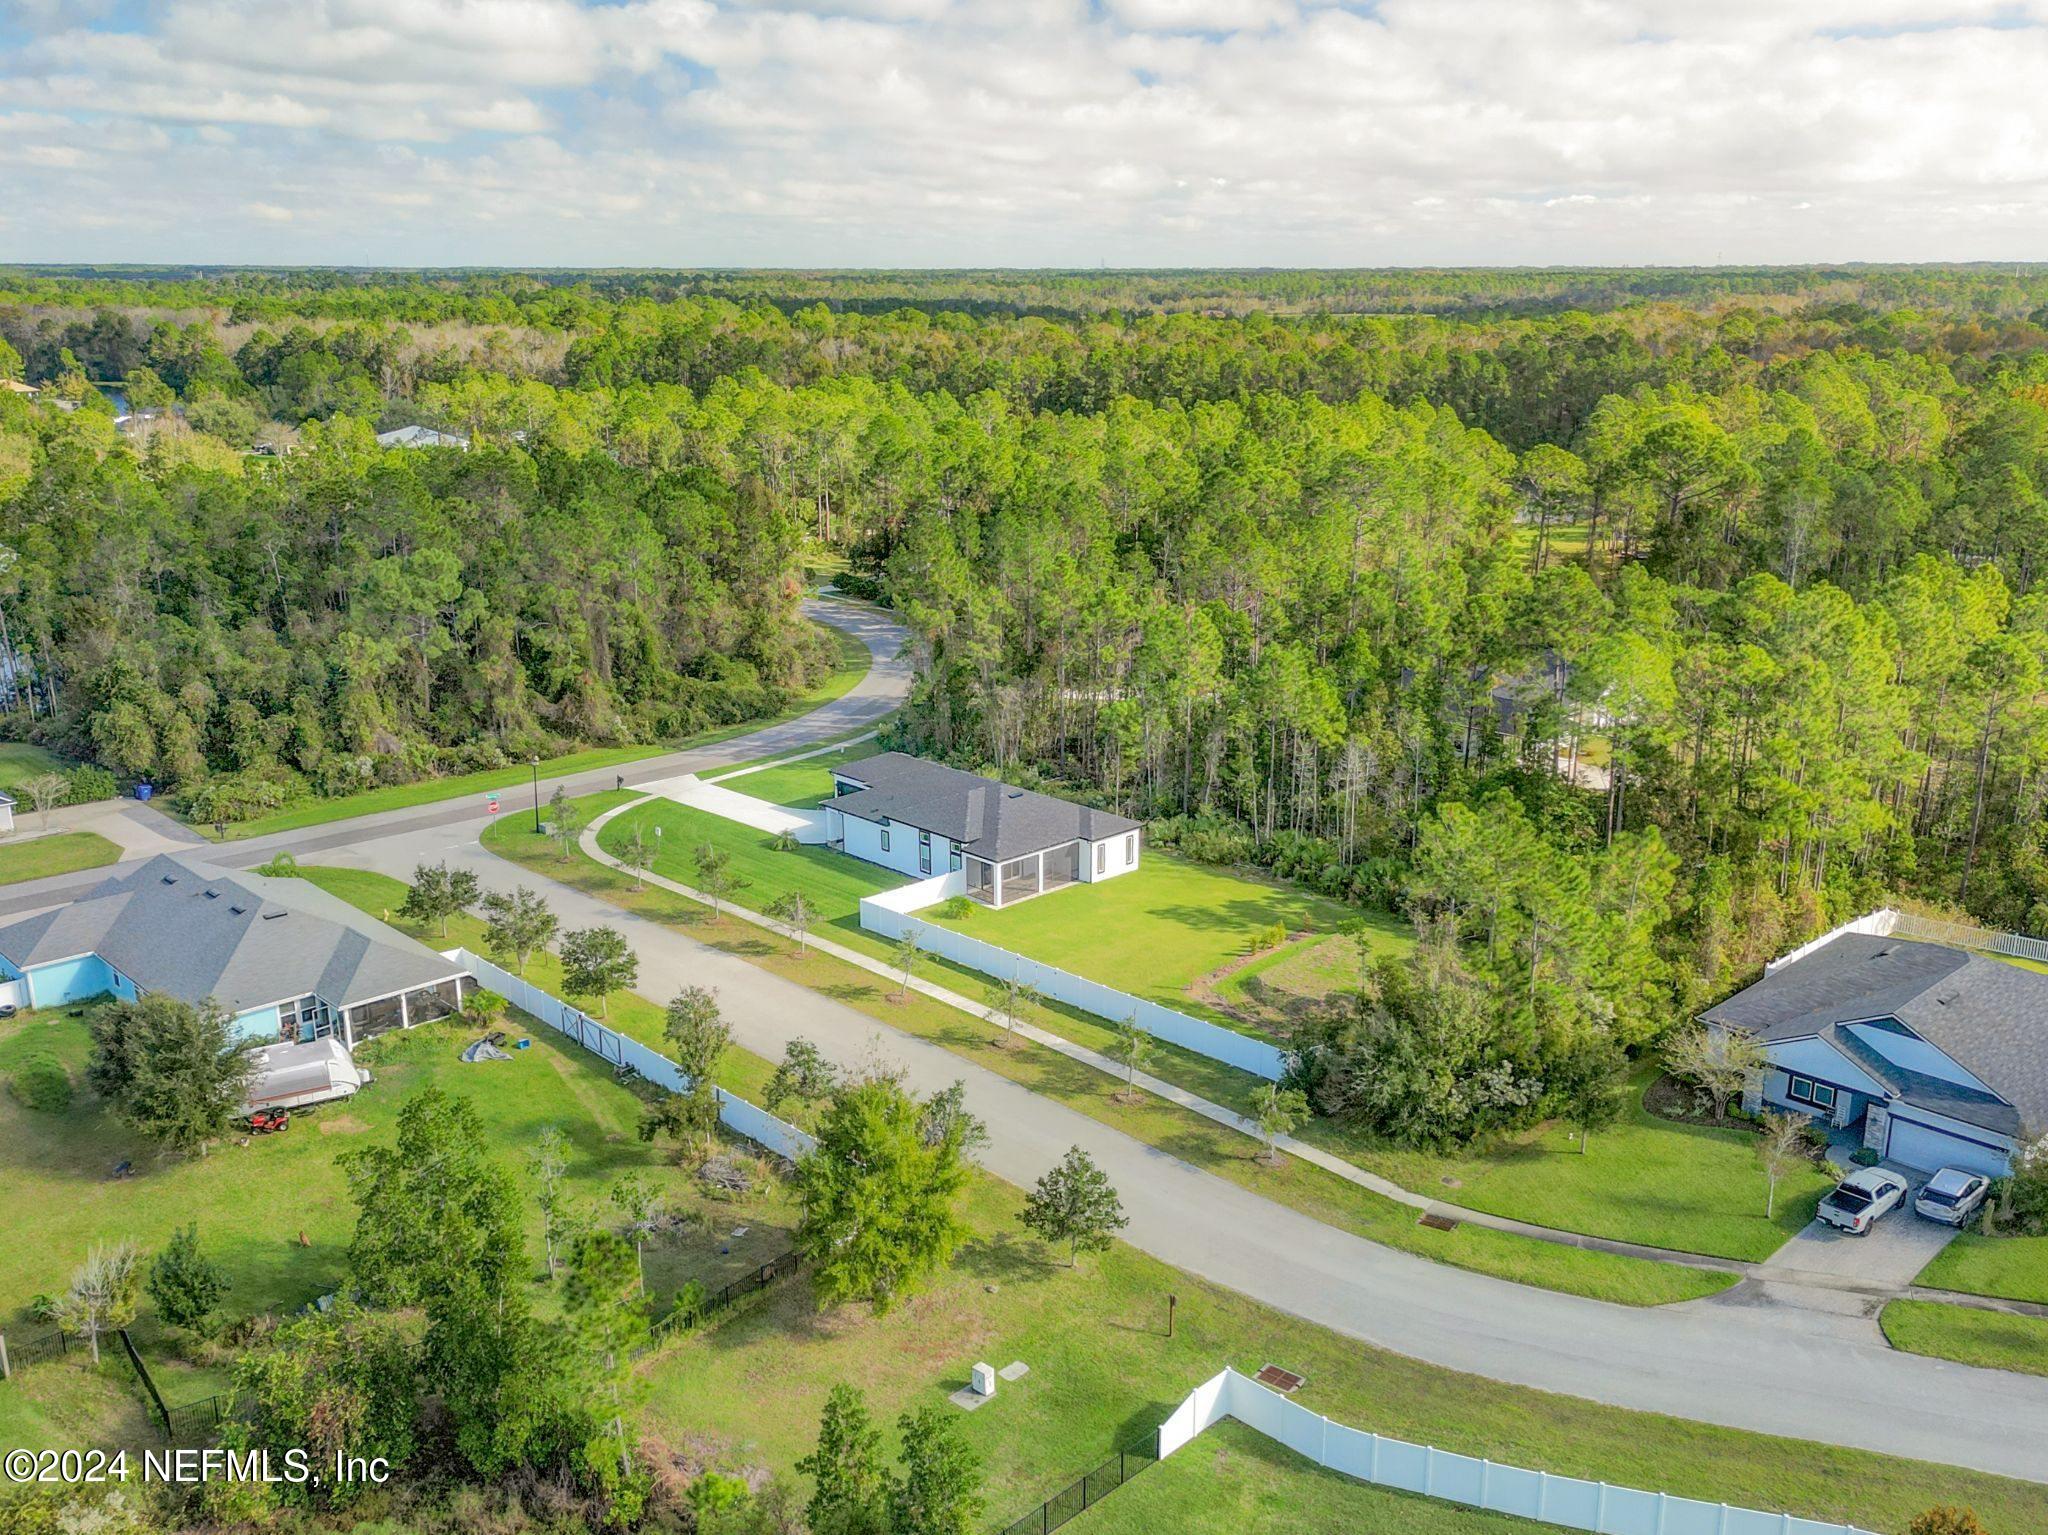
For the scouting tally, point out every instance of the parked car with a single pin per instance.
(1952, 1196)
(1861, 1198)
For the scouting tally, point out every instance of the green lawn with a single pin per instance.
(1184, 1134)
(1233, 1480)
(799, 784)
(1967, 1335)
(1103, 1372)
(852, 666)
(1157, 930)
(2014, 1267)
(1692, 1188)
(61, 852)
(20, 762)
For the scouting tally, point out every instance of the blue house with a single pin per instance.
(1930, 1056)
(288, 960)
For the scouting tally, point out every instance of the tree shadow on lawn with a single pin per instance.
(1244, 914)
(1005, 1258)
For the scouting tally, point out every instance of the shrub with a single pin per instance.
(956, 909)
(784, 842)
(42, 1083)
(90, 782)
(1865, 1157)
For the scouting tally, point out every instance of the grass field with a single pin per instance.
(1692, 1188)
(2013, 1267)
(1158, 929)
(1179, 1131)
(61, 852)
(1234, 1481)
(798, 784)
(852, 666)
(1968, 1336)
(20, 762)
(1103, 1371)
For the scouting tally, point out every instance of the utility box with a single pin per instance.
(983, 1378)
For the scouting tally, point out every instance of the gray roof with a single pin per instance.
(182, 926)
(987, 818)
(421, 437)
(1989, 1017)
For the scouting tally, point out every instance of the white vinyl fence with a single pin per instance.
(1886, 923)
(1560, 1500)
(884, 914)
(736, 1114)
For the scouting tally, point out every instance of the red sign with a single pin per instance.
(494, 804)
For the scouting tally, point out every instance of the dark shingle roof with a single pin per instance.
(1988, 1017)
(987, 818)
(184, 927)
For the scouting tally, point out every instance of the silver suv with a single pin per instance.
(1952, 1196)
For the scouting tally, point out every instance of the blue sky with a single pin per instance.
(1021, 132)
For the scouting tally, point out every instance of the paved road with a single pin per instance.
(1738, 1360)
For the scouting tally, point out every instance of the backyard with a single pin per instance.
(1103, 1373)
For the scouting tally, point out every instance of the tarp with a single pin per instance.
(484, 1050)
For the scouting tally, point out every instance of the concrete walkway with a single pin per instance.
(1754, 1367)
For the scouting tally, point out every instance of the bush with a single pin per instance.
(956, 909)
(90, 782)
(1865, 1157)
(42, 1083)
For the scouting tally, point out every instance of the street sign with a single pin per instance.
(494, 804)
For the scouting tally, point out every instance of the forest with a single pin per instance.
(1747, 563)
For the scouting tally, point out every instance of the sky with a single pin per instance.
(1075, 133)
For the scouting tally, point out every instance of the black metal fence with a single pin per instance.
(195, 1420)
(684, 1316)
(32, 1348)
(163, 1413)
(1089, 1489)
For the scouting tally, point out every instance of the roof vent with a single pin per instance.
(238, 910)
(170, 879)
(213, 895)
(272, 916)
(1014, 794)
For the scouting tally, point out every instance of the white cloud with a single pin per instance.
(1030, 131)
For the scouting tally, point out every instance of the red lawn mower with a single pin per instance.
(270, 1121)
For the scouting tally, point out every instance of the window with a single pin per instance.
(1101, 857)
(1806, 1090)
(885, 839)
(1130, 849)
(924, 852)
(953, 858)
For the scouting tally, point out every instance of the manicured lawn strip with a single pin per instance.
(1692, 1188)
(1967, 1335)
(1233, 1480)
(2014, 1267)
(852, 666)
(1156, 930)
(798, 784)
(1103, 1372)
(62, 852)
(20, 761)
(1179, 1131)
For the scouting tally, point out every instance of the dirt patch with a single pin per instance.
(340, 1124)
(1684, 1104)
(1261, 1004)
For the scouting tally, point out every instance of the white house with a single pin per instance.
(7, 803)
(1937, 1056)
(422, 437)
(923, 818)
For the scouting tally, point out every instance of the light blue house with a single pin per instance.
(288, 960)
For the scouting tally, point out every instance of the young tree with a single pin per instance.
(46, 791)
(849, 1489)
(878, 1216)
(597, 961)
(484, 1007)
(1075, 1204)
(184, 1285)
(904, 957)
(1277, 1111)
(945, 1117)
(635, 1198)
(607, 1316)
(1131, 1049)
(716, 881)
(697, 1032)
(547, 1160)
(173, 1071)
(793, 910)
(1585, 1084)
(105, 1291)
(1006, 999)
(1719, 1061)
(565, 820)
(803, 1075)
(638, 855)
(1780, 1148)
(438, 892)
(939, 1492)
(520, 924)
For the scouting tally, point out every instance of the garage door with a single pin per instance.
(1925, 1147)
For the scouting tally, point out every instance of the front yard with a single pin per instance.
(61, 852)
(1996, 1340)
(2014, 1267)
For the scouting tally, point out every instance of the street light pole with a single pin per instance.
(536, 796)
